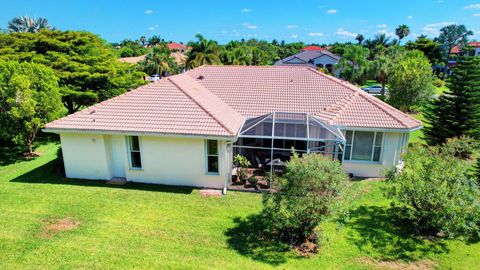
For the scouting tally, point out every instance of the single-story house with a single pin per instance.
(185, 129)
(314, 57)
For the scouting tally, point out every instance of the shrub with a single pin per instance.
(241, 162)
(462, 147)
(307, 194)
(434, 194)
(253, 181)
(438, 82)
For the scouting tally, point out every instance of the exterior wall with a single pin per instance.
(392, 147)
(165, 160)
(325, 60)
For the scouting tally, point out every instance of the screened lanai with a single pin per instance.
(267, 141)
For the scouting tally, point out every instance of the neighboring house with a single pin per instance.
(173, 46)
(314, 57)
(458, 51)
(185, 129)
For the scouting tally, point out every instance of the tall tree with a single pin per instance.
(410, 80)
(154, 41)
(360, 38)
(28, 24)
(354, 61)
(456, 112)
(143, 40)
(29, 98)
(429, 47)
(159, 61)
(402, 31)
(451, 36)
(203, 52)
(87, 67)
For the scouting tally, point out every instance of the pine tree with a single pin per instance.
(456, 112)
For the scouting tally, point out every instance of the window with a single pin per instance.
(134, 150)
(212, 156)
(363, 146)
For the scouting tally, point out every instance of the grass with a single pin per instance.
(149, 226)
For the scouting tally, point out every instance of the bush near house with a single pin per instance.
(435, 194)
(307, 195)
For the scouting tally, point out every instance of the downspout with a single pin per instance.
(230, 162)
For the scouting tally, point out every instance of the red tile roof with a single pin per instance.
(457, 49)
(215, 100)
(313, 48)
(176, 46)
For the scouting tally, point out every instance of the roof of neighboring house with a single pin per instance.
(313, 48)
(306, 57)
(457, 49)
(215, 100)
(176, 46)
(178, 56)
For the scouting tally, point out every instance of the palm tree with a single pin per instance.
(381, 39)
(402, 31)
(154, 41)
(360, 39)
(143, 40)
(355, 58)
(158, 61)
(203, 52)
(27, 24)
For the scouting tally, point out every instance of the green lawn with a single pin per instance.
(148, 226)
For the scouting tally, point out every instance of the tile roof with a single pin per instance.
(215, 100)
(176, 46)
(313, 48)
(306, 56)
(457, 49)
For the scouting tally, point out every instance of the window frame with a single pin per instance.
(207, 155)
(371, 161)
(130, 150)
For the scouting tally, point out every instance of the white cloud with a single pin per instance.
(224, 31)
(291, 26)
(148, 11)
(434, 28)
(249, 25)
(246, 10)
(294, 36)
(151, 28)
(386, 32)
(345, 33)
(332, 11)
(409, 17)
(382, 25)
(315, 34)
(472, 6)
(476, 14)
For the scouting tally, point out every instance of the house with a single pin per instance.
(314, 57)
(185, 129)
(173, 46)
(474, 46)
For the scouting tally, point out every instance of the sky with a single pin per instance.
(309, 21)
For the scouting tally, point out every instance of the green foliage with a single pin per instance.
(131, 48)
(438, 83)
(402, 31)
(29, 98)
(241, 162)
(27, 24)
(354, 61)
(430, 48)
(451, 36)
(460, 147)
(457, 111)
(203, 52)
(159, 61)
(435, 194)
(308, 194)
(410, 80)
(253, 181)
(87, 67)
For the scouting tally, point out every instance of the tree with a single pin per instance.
(29, 98)
(360, 38)
(159, 61)
(131, 48)
(451, 36)
(87, 67)
(402, 31)
(203, 52)
(429, 47)
(353, 61)
(313, 186)
(435, 194)
(456, 112)
(411, 81)
(27, 24)
(154, 41)
(143, 40)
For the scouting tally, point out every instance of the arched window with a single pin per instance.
(329, 67)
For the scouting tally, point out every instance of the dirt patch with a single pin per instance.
(399, 265)
(211, 193)
(53, 227)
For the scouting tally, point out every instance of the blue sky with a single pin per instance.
(309, 21)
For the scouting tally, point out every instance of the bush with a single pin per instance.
(308, 193)
(253, 181)
(438, 82)
(435, 194)
(241, 162)
(463, 147)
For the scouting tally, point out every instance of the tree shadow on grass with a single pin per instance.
(245, 237)
(52, 173)
(376, 234)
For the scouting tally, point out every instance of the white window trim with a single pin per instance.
(207, 155)
(129, 150)
(373, 148)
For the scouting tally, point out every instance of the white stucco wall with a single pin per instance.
(391, 154)
(326, 60)
(165, 160)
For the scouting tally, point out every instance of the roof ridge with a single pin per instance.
(202, 105)
(380, 105)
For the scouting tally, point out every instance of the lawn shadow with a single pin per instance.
(375, 233)
(52, 173)
(245, 238)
